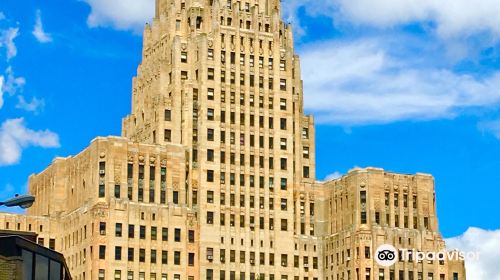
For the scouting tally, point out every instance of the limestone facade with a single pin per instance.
(214, 175)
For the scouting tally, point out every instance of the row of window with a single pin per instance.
(153, 230)
(153, 255)
(242, 258)
(244, 58)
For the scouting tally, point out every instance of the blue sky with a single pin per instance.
(410, 88)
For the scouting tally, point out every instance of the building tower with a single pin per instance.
(221, 78)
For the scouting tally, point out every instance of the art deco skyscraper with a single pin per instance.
(214, 175)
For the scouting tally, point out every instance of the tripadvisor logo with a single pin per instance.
(386, 255)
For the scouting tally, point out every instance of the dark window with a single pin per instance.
(131, 229)
(118, 230)
(102, 252)
(177, 235)
(142, 232)
(164, 234)
(102, 228)
(177, 258)
(118, 253)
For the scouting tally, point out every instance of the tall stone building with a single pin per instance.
(214, 175)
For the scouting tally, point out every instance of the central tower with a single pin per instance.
(222, 79)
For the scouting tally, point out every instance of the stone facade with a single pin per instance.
(214, 175)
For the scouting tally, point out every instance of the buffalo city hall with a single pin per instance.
(213, 177)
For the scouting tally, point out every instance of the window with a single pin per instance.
(142, 255)
(283, 124)
(101, 274)
(210, 175)
(117, 191)
(305, 133)
(283, 84)
(164, 234)
(153, 233)
(210, 74)
(164, 257)
(130, 254)
(283, 184)
(283, 104)
(153, 256)
(305, 152)
(367, 252)
(131, 229)
(142, 232)
(118, 253)
(175, 197)
(210, 218)
(168, 135)
(102, 228)
(305, 171)
(118, 230)
(284, 225)
(210, 197)
(184, 75)
(191, 236)
(177, 258)
(210, 54)
(210, 134)
(210, 94)
(284, 204)
(102, 252)
(177, 235)
(283, 65)
(184, 57)
(210, 114)
(283, 163)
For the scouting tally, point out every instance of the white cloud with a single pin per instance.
(7, 41)
(1, 91)
(2, 16)
(11, 83)
(360, 82)
(33, 106)
(492, 127)
(121, 14)
(487, 244)
(38, 31)
(15, 136)
(333, 176)
(451, 18)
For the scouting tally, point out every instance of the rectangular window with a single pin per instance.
(142, 232)
(164, 234)
(102, 252)
(118, 230)
(118, 253)
(168, 115)
(177, 258)
(210, 74)
(102, 228)
(177, 235)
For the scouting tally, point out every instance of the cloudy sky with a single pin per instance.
(407, 85)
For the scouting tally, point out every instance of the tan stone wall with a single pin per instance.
(399, 210)
(10, 268)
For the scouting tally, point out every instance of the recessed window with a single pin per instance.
(210, 114)
(184, 57)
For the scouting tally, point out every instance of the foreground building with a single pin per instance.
(214, 175)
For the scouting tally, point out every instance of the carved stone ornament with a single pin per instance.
(152, 159)
(141, 158)
(164, 163)
(183, 46)
(102, 155)
(210, 43)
